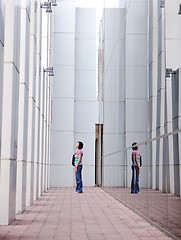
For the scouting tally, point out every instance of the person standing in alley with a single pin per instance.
(78, 167)
(135, 168)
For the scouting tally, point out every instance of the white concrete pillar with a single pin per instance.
(1, 65)
(23, 110)
(169, 128)
(63, 94)
(153, 61)
(40, 185)
(37, 101)
(173, 60)
(45, 132)
(179, 126)
(136, 99)
(31, 114)
(161, 92)
(9, 113)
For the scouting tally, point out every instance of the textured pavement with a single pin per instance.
(94, 215)
(162, 209)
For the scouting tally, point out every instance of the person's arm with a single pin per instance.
(80, 156)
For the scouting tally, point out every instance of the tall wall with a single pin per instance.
(136, 103)
(173, 60)
(164, 45)
(10, 79)
(63, 95)
(113, 97)
(74, 92)
(85, 110)
(176, 118)
(1, 62)
(124, 90)
(25, 109)
(153, 76)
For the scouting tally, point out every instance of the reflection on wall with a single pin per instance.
(149, 51)
(112, 82)
(124, 33)
(164, 45)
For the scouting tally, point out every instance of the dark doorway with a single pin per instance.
(98, 155)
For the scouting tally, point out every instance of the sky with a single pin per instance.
(100, 3)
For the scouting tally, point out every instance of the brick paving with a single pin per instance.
(94, 215)
(163, 209)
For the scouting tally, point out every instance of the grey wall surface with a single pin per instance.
(74, 93)
(86, 107)
(124, 91)
(136, 103)
(63, 95)
(1, 61)
(113, 97)
(24, 151)
(164, 39)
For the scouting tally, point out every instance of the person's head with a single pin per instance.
(135, 146)
(79, 145)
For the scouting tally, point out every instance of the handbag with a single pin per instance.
(73, 160)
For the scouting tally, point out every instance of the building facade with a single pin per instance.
(108, 95)
(25, 105)
(75, 108)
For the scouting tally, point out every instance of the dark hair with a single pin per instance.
(134, 146)
(80, 145)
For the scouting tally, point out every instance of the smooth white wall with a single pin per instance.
(136, 104)
(23, 109)
(61, 171)
(1, 61)
(74, 93)
(86, 108)
(153, 76)
(31, 104)
(113, 97)
(169, 37)
(10, 80)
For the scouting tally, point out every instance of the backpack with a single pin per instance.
(73, 160)
(140, 161)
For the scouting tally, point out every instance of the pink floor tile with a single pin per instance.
(93, 215)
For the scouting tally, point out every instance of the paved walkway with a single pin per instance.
(162, 209)
(95, 215)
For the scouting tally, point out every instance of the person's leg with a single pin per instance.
(137, 181)
(132, 181)
(79, 179)
(81, 184)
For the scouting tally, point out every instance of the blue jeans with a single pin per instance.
(135, 180)
(79, 179)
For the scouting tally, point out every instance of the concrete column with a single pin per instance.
(160, 95)
(9, 113)
(31, 114)
(136, 99)
(45, 133)
(1, 65)
(40, 185)
(168, 129)
(153, 68)
(176, 111)
(37, 102)
(23, 110)
(63, 94)
(179, 126)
